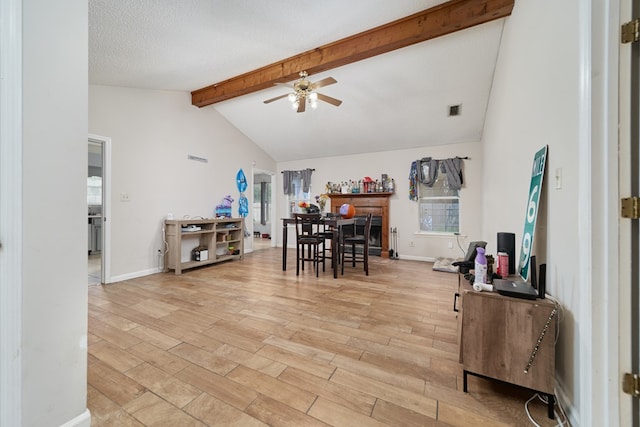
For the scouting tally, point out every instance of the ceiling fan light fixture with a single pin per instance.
(304, 93)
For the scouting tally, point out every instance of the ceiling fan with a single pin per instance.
(303, 93)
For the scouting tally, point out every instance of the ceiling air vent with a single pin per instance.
(454, 110)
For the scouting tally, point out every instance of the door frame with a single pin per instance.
(627, 182)
(11, 213)
(105, 268)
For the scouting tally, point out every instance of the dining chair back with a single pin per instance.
(309, 242)
(355, 248)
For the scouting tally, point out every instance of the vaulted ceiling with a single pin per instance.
(393, 100)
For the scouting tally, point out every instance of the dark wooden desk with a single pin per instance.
(336, 223)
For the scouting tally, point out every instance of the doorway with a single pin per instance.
(263, 208)
(98, 209)
(94, 212)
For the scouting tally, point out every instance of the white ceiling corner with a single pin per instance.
(396, 100)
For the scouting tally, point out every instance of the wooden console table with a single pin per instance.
(217, 235)
(374, 203)
(500, 340)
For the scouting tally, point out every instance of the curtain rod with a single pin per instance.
(300, 169)
(456, 157)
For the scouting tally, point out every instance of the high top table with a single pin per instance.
(336, 223)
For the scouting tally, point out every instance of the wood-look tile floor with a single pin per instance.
(244, 343)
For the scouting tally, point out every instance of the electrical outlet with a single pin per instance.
(124, 197)
(411, 244)
(558, 178)
(450, 245)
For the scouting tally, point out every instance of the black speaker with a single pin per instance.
(533, 273)
(507, 243)
(542, 281)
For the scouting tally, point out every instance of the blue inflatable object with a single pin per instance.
(241, 181)
(243, 206)
(243, 202)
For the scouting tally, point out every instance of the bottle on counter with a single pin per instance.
(480, 266)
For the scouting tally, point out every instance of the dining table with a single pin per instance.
(337, 223)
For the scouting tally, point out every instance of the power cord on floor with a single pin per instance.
(562, 412)
(546, 402)
(165, 249)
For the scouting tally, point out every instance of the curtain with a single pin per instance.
(453, 169)
(427, 169)
(288, 177)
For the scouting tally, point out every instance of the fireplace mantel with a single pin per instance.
(375, 203)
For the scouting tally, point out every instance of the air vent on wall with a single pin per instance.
(197, 159)
(455, 110)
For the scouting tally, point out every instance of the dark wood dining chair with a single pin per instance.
(327, 231)
(355, 248)
(309, 243)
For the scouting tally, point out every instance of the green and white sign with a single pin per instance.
(537, 173)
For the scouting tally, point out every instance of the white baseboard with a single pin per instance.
(82, 420)
(134, 275)
(565, 403)
(416, 258)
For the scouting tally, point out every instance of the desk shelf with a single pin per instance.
(215, 234)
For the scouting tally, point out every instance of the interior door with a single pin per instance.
(630, 228)
(635, 225)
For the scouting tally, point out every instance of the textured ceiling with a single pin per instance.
(393, 101)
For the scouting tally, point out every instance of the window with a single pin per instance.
(439, 207)
(298, 196)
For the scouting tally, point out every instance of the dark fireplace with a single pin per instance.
(375, 237)
(365, 203)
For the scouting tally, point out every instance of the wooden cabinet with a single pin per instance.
(500, 339)
(223, 240)
(365, 203)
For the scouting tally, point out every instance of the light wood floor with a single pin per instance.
(244, 343)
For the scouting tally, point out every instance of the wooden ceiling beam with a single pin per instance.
(449, 17)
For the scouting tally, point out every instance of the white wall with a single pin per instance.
(403, 212)
(54, 346)
(535, 101)
(152, 134)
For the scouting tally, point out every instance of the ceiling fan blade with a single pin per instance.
(324, 82)
(301, 105)
(276, 98)
(329, 99)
